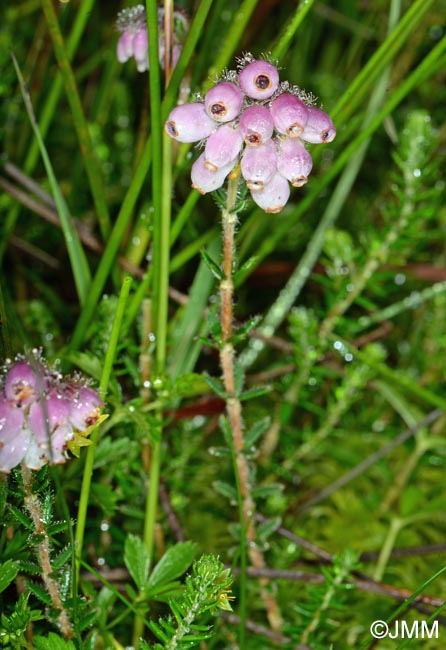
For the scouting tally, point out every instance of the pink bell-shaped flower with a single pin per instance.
(189, 123)
(319, 128)
(256, 125)
(259, 165)
(273, 197)
(290, 114)
(14, 437)
(222, 147)
(223, 102)
(294, 162)
(205, 180)
(85, 408)
(259, 79)
(140, 50)
(21, 384)
(124, 48)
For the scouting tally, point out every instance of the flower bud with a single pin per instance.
(289, 114)
(294, 162)
(222, 147)
(259, 79)
(140, 50)
(189, 123)
(259, 165)
(274, 195)
(124, 48)
(256, 125)
(223, 102)
(206, 181)
(319, 128)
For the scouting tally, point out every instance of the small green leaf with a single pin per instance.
(245, 267)
(190, 385)
(226, 490)
(264, 491)
(174, 563)
(137, 560)
(257, 430)
(266, 528)
(8, 571)
(216, 385)
(213, 267)
(21, 518)
(52, 642)
(63, 557)
(226, 429)
(40, 592)
(219, 452)
(256, 391)
(247, 327)
(239, 378)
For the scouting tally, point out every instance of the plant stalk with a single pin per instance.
(234, 413)
(34, 508)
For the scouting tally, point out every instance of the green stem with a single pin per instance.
(164, 255)
(103, 384)
(395, 526)
(290, 30)
(161, 192)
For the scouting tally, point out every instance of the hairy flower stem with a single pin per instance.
(233, 404)
(34, 508)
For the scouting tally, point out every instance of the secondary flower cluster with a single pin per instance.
(134, 43)
(251, 117)
(40, 413)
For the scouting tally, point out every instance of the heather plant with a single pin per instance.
(222, 302)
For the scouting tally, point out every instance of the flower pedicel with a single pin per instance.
(252, 118)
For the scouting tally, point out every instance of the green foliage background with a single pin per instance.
(348, 284)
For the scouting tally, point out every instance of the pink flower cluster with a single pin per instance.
(251, 117)
(133, 42)
(40, 411)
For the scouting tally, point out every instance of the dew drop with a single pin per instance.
(417, 173)
(399, 279)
